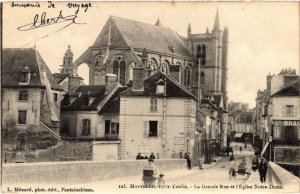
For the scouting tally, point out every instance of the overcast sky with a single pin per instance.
(263, 37)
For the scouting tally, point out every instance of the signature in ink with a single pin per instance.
(42, 21)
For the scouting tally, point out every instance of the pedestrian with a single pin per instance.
(161, 180)
(188, 160)
(232, 171)
(241, 148)
(139, 156)
(152, 156)
(245, 146)
(255, 164)
(262, 169)
(146, 157)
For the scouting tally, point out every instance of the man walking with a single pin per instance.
(262, 169)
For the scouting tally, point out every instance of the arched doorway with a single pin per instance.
(83, 71)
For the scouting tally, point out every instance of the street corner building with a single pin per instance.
(30, 99)
(278, 119)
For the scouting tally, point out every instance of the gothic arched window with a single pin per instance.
(187, 76)
(165, 66)
(203, 57)
(98, 60)
(202, 79)
(119, 68)
(151, 67)
(122, 72)
(198, 55)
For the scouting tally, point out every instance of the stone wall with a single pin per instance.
(75, 172)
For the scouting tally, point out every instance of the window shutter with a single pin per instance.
(160, 129)
(118, 128)
(296, 111)
(145, 128)
(107, 126)
(283, 111)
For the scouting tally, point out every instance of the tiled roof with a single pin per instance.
(15, 60)
(113, 104)
(291, 90)
(139, 35)
(173, 88)
(97, 92)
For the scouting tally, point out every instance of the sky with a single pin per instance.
(263, 36)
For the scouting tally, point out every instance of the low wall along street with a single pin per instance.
(74, 172)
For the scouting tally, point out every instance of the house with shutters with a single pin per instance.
(153, 115)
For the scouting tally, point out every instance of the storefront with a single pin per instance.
(287, 130)
(285, 139)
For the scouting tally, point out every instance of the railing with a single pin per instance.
(52, 131)
(279, 176)
(106, 138)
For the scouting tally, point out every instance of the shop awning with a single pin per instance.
(238, 135)
(265, 148)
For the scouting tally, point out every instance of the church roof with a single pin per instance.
(15, 60)
(173, 88)
(138, 35)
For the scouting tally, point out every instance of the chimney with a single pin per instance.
(74, 82)
(110, 81)
(138, 79)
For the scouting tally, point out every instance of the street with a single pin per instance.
(213, 176)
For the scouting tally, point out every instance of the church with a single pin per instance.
(128, 50)
(123, 44)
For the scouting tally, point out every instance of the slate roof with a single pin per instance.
(113, 104)
(139, 35)
(95, 91)
(173, 88)
(291, 90)
(15, 60)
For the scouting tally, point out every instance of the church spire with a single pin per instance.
(207, 30)
(217, 23)
(158, 23)
(67, 61)
(189, 30)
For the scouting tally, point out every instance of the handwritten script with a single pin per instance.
(42, 21)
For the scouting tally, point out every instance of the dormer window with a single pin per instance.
(24, 77)
(160, 87)
(86, 101)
